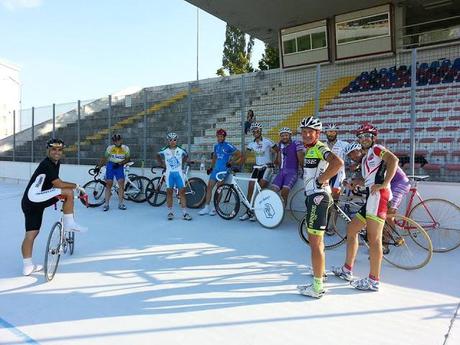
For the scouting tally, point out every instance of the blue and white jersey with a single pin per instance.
(173, 158)
(222, 152)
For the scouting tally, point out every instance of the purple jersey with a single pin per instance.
(288, 154)
(399, 185)
(400, 178)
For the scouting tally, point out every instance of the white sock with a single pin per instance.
(184, 211)
(68, 220)
(28, 266)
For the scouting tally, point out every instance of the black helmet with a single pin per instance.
(55, 142)
(116, 137)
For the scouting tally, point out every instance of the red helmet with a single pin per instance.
(221, 132)
(367, 128)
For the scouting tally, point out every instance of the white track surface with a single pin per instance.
(136, 278)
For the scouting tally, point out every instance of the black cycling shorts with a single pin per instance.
(317, 212)
(33, 214)
(262, 173)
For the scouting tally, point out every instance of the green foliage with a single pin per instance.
(270, 58)
(237, 52)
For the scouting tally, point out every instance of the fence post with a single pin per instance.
(33, 136)
(189, 119)
(413, 86)
(54, 120)
(109, 120)
(14, 135)
(242, 101)
(317, 88)
(78, 130)
(144, 146)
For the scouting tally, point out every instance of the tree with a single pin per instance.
(270, 58)
(237, 52)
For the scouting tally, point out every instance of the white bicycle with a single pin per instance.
(266, 205)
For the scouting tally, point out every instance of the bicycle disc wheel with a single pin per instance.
(53, 251)
(441, 219)
(136, 189)
(156, 192)
(96, 193)
(297, 205)
(406, 244)
(268, 209)
(226, 201)
(195, 192)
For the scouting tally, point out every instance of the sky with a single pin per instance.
(86, 49)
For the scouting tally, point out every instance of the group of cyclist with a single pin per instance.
(320, 165)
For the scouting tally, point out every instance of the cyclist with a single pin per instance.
(43, 190)
(263, 149)
(172, 157)
(338, 147)
(222, 156)
(116, 156)
(378, 167)
(289, 159)
(320, 165)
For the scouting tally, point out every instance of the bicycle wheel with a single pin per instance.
(156, 192)
(195, 192)
(268, 209)
(406, 244)
(96, 193)
(226, 201)
(53, 251)
(441, 219)
(297, 205)
(136, 189)
(70, 238)
(336, 234)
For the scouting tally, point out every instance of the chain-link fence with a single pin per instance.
(417, 112)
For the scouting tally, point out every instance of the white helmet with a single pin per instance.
(256, 125)
(171, 136)
(352, 147)
(285, 130)
(331, 127)
(311, 122)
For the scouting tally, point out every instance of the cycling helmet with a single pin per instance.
(311, 122)
(352, 146)
(54, 142)
(285, 130)
(116, 137)
(367, 128)
(331, 127)
(256, 125)
(221, 131)
(171, 136)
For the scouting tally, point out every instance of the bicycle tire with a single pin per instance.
(398, 241)
(156, 192)
(195, 192)
(96, 193)
(444, 225)
(297, 207)
(53, 251)
(223, 198)
(139, 182)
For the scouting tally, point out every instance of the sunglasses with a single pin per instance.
(172, 140)
(365, 135)
(57, 149)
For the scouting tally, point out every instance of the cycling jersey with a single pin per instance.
(116, 154)
(339, 149)
(262, 149)
(173, 158)
(288, 153)
(222, 152)
(400, 186)
(314, 165)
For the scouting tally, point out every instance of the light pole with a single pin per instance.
(197, 41)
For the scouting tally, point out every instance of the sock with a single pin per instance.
(371, 277)
(318, 284)
(184, 211)
(27, 261)
(68, 219)
(170, 209)
(347, 268)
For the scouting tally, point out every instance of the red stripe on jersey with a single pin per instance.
(383, 203)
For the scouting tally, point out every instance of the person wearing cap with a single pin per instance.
(223, 155)
(338, 147)
(44, 189)
(115, 157)
(289, 158)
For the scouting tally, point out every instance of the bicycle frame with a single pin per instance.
(415, 194)
(234, 182)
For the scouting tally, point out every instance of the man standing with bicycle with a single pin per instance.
(378, 167)
(320, 165)
(42, 191)
(171, 158)
(116, 156)
(221, 162)
(263, 149)
(289, 159)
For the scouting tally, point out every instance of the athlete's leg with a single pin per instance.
(108, 190)
(121, 190)
(285, 194)
(353, 229)
(169, 197)
(67, 193)
(28, 243)
(374, 238)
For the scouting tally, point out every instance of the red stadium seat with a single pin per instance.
(432, 167)
(392, 120)
(456, 153)
(385, 130)
(439, 118)
(427, 140)
(433, 129)
(446, 140)
(421, 152)
(392, 141)
(454, 118)
(440, 153)
(423, 119)
(443, 110)
(406, 120)
(451, 128)
(400, 130)
(453, 167)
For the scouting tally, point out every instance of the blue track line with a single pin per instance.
(24, 337)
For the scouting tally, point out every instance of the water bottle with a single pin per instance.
(202, 165)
